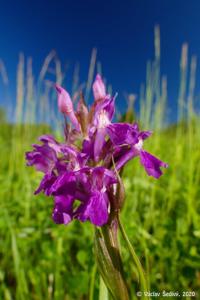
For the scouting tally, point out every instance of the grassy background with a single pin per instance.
(41, 260)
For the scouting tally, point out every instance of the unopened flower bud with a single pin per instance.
(99, 89)
(65, 105)
(64, 100)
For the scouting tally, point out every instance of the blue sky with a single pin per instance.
(122, 32)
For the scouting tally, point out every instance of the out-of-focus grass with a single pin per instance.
(41, 260)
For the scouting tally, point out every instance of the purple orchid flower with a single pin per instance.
(81, 169)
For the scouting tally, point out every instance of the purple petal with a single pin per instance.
(83, 184)
(144, 134)
(122, 133)
(42, 157)
(47, 138)
(108, 105)
(67, 150)
(88, 149)
(64, 184)
(102, 178)
(63, 209)
(50, 141)
(104, 112)
(152, 164)
(95, 210)
(38, 161)
(99, 142)
(135, 126)
(46, 184)
(124, 156)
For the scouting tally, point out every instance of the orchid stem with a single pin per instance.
(135, 258)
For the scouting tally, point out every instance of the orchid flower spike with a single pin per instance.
(81, 169)
(99, 89)
(65, 105)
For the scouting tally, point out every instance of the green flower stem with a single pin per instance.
(143, 282)
(108, 259)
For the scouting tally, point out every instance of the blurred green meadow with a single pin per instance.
(42, 260)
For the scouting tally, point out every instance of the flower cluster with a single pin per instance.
(82, 172)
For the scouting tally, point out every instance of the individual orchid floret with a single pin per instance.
(103, 115)
(128, 142)
(99, 89)
(96, 205)
(43, 157)
(53, 156)
(65, 105)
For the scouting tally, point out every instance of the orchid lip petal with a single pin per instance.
(152, 164)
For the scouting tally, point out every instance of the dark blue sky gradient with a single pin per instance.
(122, 32)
